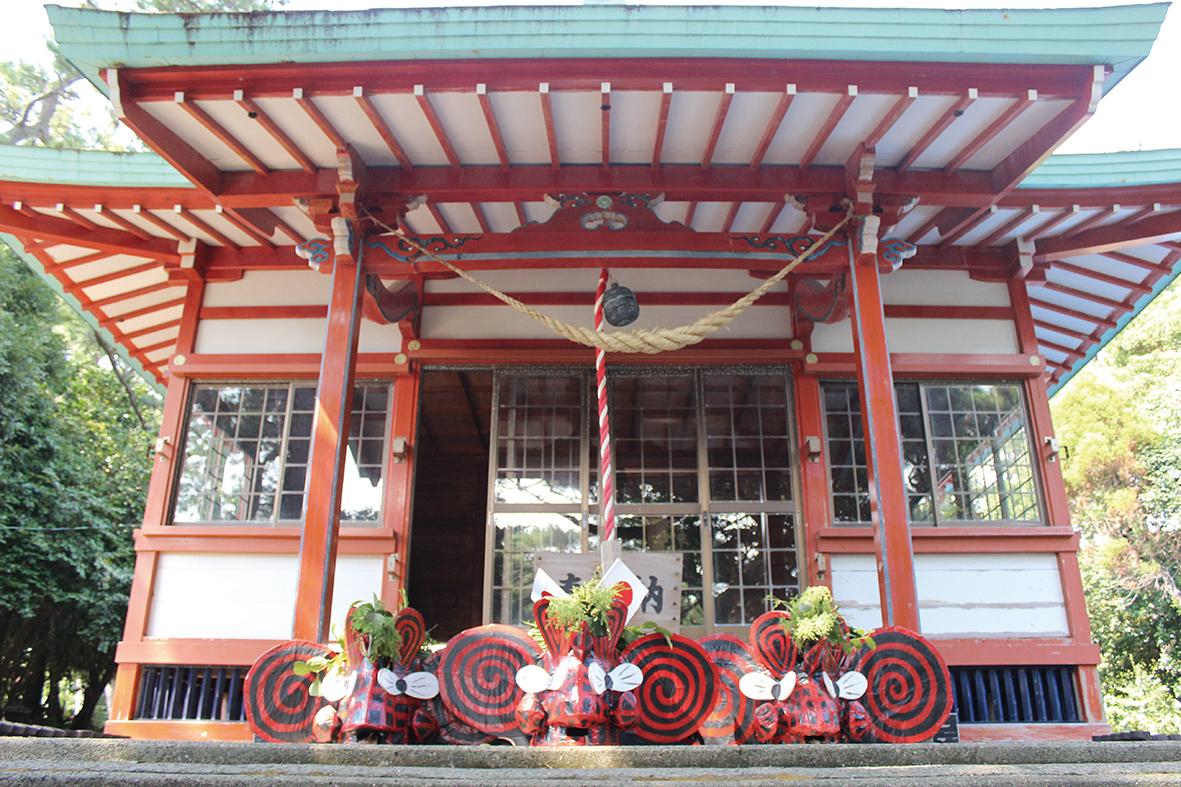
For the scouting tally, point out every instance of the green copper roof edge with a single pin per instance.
(1119, 36)
(35, 266)
(87, 167)
(21, 163)
(1120, 324)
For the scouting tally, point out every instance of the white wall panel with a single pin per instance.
(271, 288)
(986, 595)
(907, 335)
(941, 288)
(220, 596)
(261, 336)
(501, 322)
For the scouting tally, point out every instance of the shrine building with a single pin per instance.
(353, 418)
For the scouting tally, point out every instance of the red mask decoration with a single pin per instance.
(582, 690)
(389, 703)
(897, 692)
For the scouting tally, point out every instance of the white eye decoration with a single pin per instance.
(761, 686)
(625, 677)
(852, 685)
(532, 679)
(419, 685)
(335, 686)
(832, 692)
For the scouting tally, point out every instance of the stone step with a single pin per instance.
(54, 761)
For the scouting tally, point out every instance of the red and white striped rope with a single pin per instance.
(606, 469)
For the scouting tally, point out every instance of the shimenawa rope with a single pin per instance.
(651, 341)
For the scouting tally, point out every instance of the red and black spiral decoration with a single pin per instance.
(680, 687)
(909, 695)
(478, 676)
(278, 706)
(772, 644)
(733, 717)
(412, 628)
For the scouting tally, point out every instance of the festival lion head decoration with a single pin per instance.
(806, 676)
(378, 688)
(580, 686)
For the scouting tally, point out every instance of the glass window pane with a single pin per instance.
(983, 467)
(243, 446)
(846, 452)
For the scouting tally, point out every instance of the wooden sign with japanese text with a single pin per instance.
(659, 571)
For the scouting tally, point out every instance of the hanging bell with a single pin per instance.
(620, 307)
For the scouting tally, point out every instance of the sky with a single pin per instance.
(1141, 113)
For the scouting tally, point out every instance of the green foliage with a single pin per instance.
(1121, 419)
(587, 603)
(1143, 703)
(73, 469)
(813, 616)
(377, 624)
(634, 632)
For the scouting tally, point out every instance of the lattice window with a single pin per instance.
(965, 446)
(247, 448)
(704, 468)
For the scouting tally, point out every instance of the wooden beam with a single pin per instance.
(1115, 281)
(1011, 113)
(547, 115)
(715, 133)
(879, 415)
(946, 119)
(830, 123)
(1111, 238)
(180, 154)
(381, 127)
(221, 134)
(493, 126)
(316, 116)
(256, 113)
(203, 226)
(104, 239)
(1007, 227)
(432, 119)
(605, 123)
(896, 111)
(773, 125)
(334, 396)
(666, 96)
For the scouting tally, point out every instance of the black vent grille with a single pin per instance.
(195, 693)
(1016, 695)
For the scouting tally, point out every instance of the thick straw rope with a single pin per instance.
(651, 341)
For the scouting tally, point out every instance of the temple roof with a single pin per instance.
(734, 114)
(1119, 37)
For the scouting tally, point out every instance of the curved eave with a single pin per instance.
(1107, 170)
(1119, 37)
(88, 168)
(1122, 323)
(72, 301)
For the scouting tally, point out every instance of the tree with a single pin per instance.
(1121, 419)
(76, 424)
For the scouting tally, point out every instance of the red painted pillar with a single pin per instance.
(334, 396)
(400, 490)
(814, 491)
(158, 507)
(879, 417)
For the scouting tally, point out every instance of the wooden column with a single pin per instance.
(334, 397)
(158, 507)
(1057, 510)
(879, 418)
(814, 491)
(400, 490)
